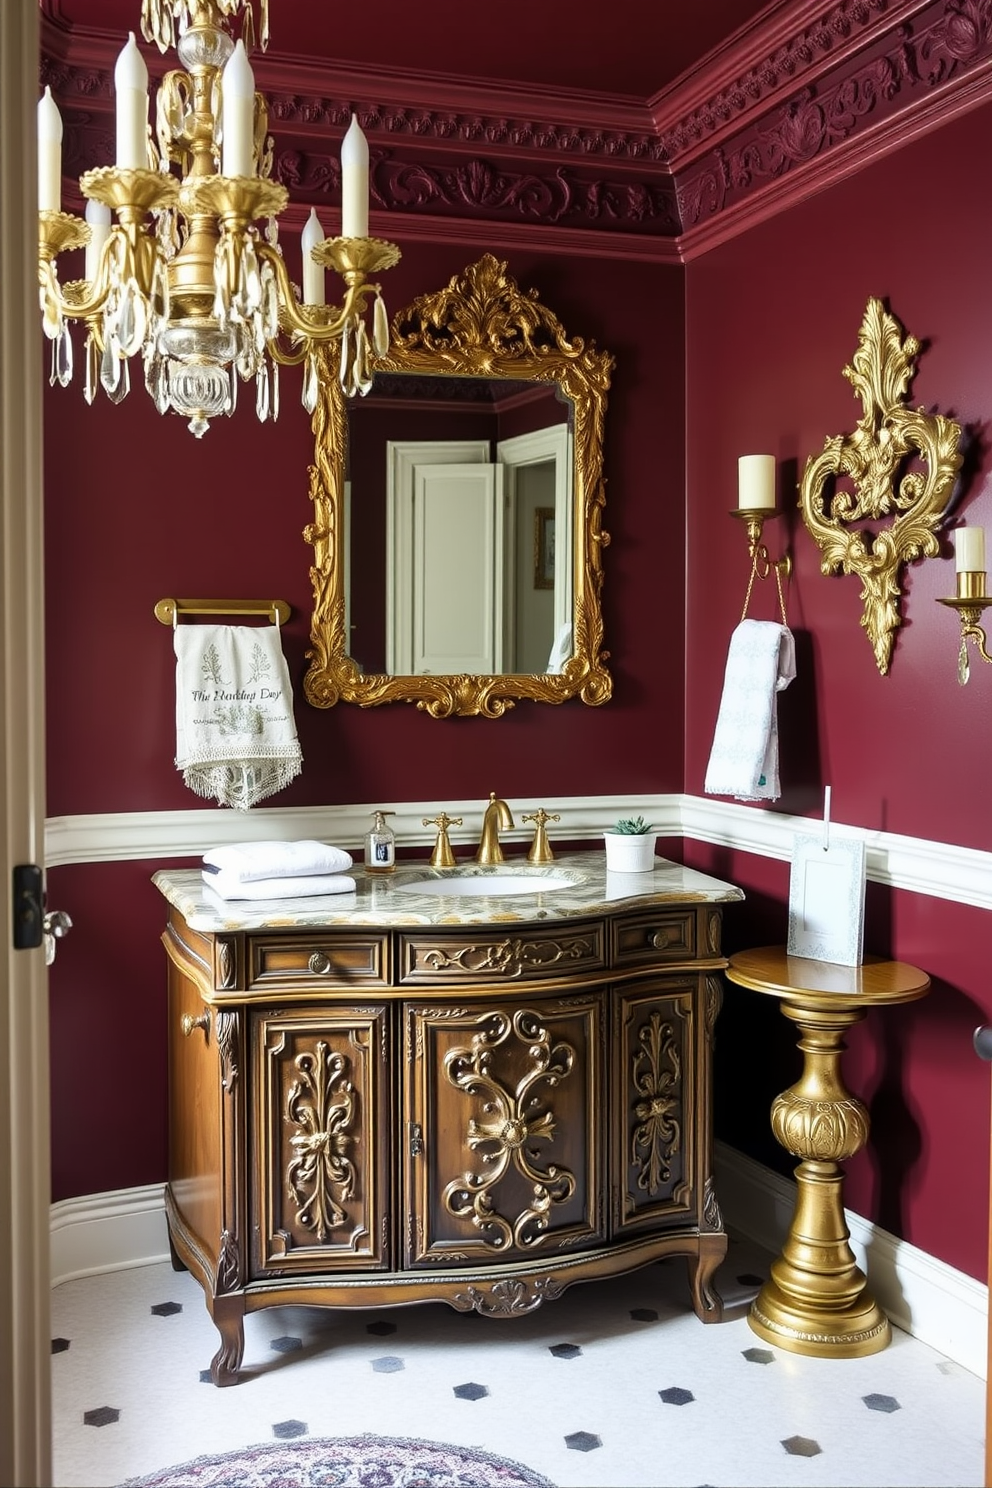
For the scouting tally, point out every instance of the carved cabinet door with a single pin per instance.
(319, 1128)
(502, 1149)
(654, 1119)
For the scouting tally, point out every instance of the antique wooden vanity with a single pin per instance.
(396, 1096)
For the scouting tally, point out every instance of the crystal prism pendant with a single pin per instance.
(380, 327)
(964, 669)
(309, 384)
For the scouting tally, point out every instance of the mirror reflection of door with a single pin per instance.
(478, 577)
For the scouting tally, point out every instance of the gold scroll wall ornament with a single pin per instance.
(511, 1121)
(902, 463)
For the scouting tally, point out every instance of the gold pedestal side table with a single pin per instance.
(816, 1300)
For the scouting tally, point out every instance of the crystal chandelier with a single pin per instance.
(184, 275)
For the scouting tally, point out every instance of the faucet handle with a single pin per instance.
(442, 856)
(540, 851)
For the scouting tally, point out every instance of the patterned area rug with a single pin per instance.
(350, 1462)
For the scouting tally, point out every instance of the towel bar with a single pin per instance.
(167, 610)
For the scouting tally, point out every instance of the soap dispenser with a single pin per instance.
(380, 845)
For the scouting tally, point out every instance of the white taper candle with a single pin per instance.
(49, 154)
(131, 88)
(238, 114)
(98, 217)
(313, 273)
(354, 183)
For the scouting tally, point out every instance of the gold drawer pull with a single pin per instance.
(319, 963)
(662, 939)
(189, 1023)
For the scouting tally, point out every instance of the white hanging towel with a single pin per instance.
(761, 662)
(235, 731)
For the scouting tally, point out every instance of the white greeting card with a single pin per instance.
(827, 897)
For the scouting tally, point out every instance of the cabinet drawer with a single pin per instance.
(528, 953)
(666, 935)
(319, 960)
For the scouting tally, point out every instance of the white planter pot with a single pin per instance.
(630, 854)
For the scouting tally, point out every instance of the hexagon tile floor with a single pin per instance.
(616, 1385)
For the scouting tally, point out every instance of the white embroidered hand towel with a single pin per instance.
(235, 731)
(246, 861)
(304, 887)
(743, 762)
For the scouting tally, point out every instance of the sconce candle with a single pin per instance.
(969, 550)
(131, 88)
(238, 114)
(756, 482)
(98, 217)
(49, 154)
(313, 273)
(354, 183)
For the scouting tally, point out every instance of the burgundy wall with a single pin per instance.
(771, 319)
(136, 510)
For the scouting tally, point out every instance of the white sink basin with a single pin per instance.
(497, 884)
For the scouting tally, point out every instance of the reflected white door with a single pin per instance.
(25, 1335)
(457, 604)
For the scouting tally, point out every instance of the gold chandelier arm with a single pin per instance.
(977, 634)
(316, 322)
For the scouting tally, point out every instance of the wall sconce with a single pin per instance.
(971, 599)
(757, 503)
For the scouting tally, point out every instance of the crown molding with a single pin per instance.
(809, 93)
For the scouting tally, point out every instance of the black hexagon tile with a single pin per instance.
(887, 1403)
(287, 1430)
(59, 1345)
(675, 1395)
(758, 1356)
(564, 1350)
(644, 1314)
(389, 1364)
(166, 1309)
(380, 1328)
(286, 1344)
(801, 1446)
(582, 1441)
(470, 1391)
(104, 1415)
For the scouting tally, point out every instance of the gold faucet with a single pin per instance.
(497, 819)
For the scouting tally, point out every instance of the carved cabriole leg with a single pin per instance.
(228, 1313)
(703, 1266)
(816, 1301)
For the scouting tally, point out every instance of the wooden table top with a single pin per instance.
(800, 979)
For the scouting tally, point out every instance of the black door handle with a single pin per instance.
(982, 1040)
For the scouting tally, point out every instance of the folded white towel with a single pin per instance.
(235, 731)
(250, 860)
(304, 887)
(744, 758)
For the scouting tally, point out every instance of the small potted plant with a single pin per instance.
(630, 846)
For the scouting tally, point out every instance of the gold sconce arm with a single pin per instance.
(970, 601)
(754, 519)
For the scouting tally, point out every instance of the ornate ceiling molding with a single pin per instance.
(812, 93)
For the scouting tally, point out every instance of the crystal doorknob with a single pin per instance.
(56, 924)
(982, 1040)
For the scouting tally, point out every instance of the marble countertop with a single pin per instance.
(406, 898)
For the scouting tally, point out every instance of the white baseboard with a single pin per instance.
(923, 1296)
(108, 1232)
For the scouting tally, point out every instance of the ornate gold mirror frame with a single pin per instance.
(875, 457)
(480, 326)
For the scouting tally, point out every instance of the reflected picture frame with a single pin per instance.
(544, 547)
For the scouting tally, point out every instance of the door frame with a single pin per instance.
(25, 1161)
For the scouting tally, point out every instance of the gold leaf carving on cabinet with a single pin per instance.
(508, 957)
(656, 1070)
(511, 1120)
(228, 1031)
(902, 463)
(509, 1298)
(321, 1105)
